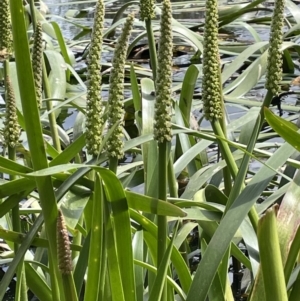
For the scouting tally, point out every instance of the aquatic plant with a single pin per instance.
(115, 143)
(163, 104)
(147, 9)
(274, 66)
(11, 125)
(5, 30)
(37, 57)
(112, 228)
(94, 108)
(211, 87)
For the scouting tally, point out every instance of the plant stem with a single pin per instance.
(266, 103)
(47, 90)
(113, 164)
(162, 234)
(152, 48)
(173, 185)
(21, 291)
(52, 118)
(69, 288)
(225, 150)
(96, 251)
(35, 137)
(173, 189)
(227, 156)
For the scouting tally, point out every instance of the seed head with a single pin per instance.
(5, 31)
(147, 11)
(63, 246)
(116, 91)
(94, 122)
(37, 56)
(274, 66)
(162, 118)
(11, 125)
(211, 88)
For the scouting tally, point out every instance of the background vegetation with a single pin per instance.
(75, 227)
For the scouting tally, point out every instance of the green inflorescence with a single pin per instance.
(11, 125)
(162, 118)
(274, 66)
(94, 121)
(37, 56)
(5, 31)
(147, 9)
(116, 92)
(211, 88)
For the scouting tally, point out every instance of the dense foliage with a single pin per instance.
(140, 199)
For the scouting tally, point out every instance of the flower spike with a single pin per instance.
(211, 88)
(274, 66)
(5, 31)
(162, 123)
(37, 57)
(94, 122)
(116, 92)
(11, 125)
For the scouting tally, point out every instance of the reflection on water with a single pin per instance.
(185, 11)
(182, 11)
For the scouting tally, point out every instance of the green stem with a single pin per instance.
(69, 288)
(96, 251)
(225, 150)
(113, 164)
(21, 291)
(152, 48)
(173, 190)
(47, 90)
(173, 185)
(162, 233)
(52, 118)
(227, 180)
(266, 103)
(77, 239)
(35, 137)
(231, 164)
(32, 12)
(103, 269)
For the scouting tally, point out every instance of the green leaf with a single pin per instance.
(293, 255)
(177, 260)
(135, 89)
(170, 281)
(271, 266)
(160, 279)
(121, 220)
(149, 149)
(285, 129)
(92, 288)
(36, 284)
(230, 223)
(288, 217)
(62, 45)
(152, 205)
